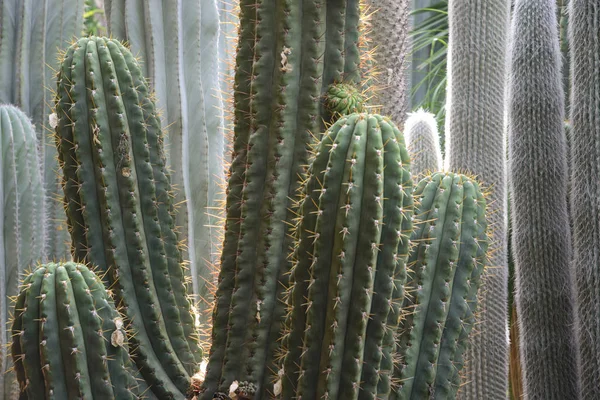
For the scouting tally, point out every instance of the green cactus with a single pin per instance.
(68, 339)
(286, 60)
(351, 250)
(445, 267)
(541, 234)
(584, 31)
(33, 33)
(22, 230)
(476, 144)
(344, 99)
(423, 143)
(119, 207)
(178, 45)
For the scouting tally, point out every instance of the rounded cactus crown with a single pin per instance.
(344, 99)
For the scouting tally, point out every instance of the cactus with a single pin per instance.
(390, 38)
(68, 339)
(423, 143)
(352, 245)
(476, 143)
(33, 34)
(540, 223)
(22, 221)
(344, 99)
(584, 31)
(178, 44)
(445, 267)
(286, 60)
(119, 206)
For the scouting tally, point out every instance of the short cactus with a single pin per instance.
(423, 143)
(119, 207)
(68, 339)
(22, 227)
(349, 272)
(445, 266)
(344, 99)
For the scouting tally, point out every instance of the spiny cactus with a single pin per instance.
(349, 272)
(34, 32)
(22, 226)
(119, 207)
(68, 339)
(584, 31)
(476, 143)
(286, 60)
(445, 268)
(390, 39)
(540, 223)
(344, 99)
(178, 45)
(423, 143)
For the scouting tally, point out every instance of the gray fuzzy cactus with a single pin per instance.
(34, 33)
(389, 34)
(475, 143)
(423, 143)
(347, 282)
(540, 223)
(177, 42)
(585, 209)
(22, 228)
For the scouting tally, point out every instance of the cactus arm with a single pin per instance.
(351, 35)
(8, 25)
(115, 18)
(476, 143)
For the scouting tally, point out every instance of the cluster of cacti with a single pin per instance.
(33, 34)
(423, 143)
(119, 207)
(476, 143)
(178, 45)
(22, 229)
(540, 224)
(584, 30)
(69, 342)
(349, 269)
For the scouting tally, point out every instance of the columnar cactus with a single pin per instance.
(22, 230)
(288, 54)
(391, 42)
(423, 143)
(33, 34)
(585, 209)
(68, 339)
(349, 271)
(476, 143)
(445, 269)
(540, 222)
(119, 206)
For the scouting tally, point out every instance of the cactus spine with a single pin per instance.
(178, 44)
(119, 207)
(445, 268)
(423, 143)
(585, 210)
(289, 52)
(475, 143)
(33, 34)
(352, 245)
(68, 339)
(540, 223)
(22, 218)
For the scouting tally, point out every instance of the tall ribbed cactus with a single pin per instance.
(33, 34)
(68, 339)
(22, 229)
(423, 143)
(475, 143)
(177, 41)
(349, 273)
(119, 206)
(389, 34)
(445, 268)
(289, 52)
(584, 20)
(540, 223)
